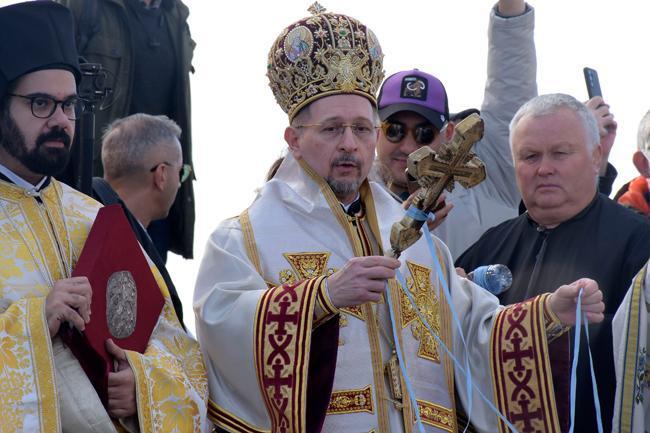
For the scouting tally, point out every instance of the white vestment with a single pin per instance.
(260, 281)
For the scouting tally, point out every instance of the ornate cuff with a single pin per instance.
(324, 309)
(554, 328)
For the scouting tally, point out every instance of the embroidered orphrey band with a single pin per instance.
(283, 326)
(523, 383)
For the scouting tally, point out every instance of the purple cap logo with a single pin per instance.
(414, 88)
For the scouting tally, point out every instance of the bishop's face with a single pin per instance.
(30, 146)
(337, 139)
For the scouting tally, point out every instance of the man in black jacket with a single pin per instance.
(569, 229)
(147, 42)
(143, 170)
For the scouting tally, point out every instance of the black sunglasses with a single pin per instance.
(395, 132)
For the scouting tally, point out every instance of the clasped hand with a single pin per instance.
(69, 301)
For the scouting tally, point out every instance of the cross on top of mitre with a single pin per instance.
(316, 8)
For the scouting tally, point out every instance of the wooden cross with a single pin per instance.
(435, 171)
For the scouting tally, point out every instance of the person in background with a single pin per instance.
(146, 48)
(568, 230)
(413, 108)
(143, 170)
(636, 193)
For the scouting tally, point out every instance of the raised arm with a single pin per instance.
(511, 81)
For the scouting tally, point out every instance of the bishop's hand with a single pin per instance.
(361, 280)
(564, 300)
(68, 301)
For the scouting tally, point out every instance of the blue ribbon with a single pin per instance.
(419, 215)
(581, 317)
(466, 371)
(402, 364)
(457, 363)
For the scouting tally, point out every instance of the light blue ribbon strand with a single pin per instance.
(419, 215)
(454, 314)
(574, 365)
(582, 319)
(594, 385)
(457, 363)
(402, 364)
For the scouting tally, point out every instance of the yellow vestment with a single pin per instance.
(41, 237)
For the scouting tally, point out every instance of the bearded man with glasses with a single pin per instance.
(44, 225)
(414, 111)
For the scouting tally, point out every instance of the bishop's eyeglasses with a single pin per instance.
(334, 130)
(43, 106)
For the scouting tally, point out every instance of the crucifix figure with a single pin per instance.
(435, 171)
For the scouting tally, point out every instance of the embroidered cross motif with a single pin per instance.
(427, 302)
(526, 416)
(521, 374)
(518, 354)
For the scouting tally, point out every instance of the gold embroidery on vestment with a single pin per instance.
(437, 416)
(351, 401)
(419, 285)
(309, 265)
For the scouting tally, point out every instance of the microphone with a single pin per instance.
(496, 279)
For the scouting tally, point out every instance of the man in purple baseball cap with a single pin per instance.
(417, 92)
(414, 110)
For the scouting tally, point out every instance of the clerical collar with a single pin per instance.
(576, 217)
(353, 208)
(19, 181)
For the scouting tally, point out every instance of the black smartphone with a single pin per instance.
(593, 85)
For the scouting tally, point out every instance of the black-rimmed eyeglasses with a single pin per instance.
(43, 106)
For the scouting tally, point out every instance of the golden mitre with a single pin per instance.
(322, 55)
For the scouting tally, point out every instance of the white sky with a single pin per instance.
(237, 126)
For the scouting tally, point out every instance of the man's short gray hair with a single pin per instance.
(643, 136)
(128, 142)
(547, 104)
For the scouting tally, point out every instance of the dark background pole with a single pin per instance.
(85, 174)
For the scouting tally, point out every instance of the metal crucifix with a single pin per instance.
(436, 171)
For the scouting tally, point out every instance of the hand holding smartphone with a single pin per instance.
(593, 85)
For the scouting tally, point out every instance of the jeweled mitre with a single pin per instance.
(322, 55)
